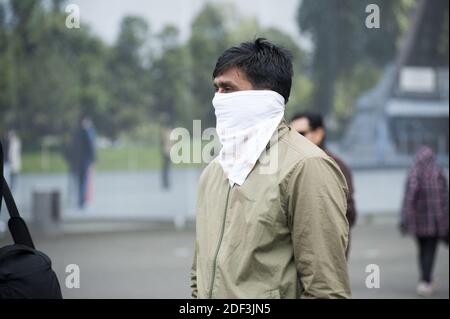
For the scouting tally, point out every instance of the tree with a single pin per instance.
(133, 35)
(4, 68)
(170, 74)
(51, 72)
(57, 5)
(342, 41)
(209, 38)
(127, 82)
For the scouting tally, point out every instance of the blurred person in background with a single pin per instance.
(311, 126)
(165, 146)
(69, 154)
(84, 159)
(425, 213)
(15, 158)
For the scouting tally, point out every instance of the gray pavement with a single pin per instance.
(155, 263)
(126, 246)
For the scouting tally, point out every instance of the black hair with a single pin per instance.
(266, 65)
(315, 119)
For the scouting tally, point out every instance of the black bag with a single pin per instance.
(24, 271)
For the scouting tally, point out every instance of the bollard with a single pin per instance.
(46, 211)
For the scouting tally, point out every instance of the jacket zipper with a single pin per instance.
(219, 244)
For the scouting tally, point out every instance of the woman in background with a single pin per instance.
(425, 213)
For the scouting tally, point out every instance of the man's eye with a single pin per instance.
(227, 89)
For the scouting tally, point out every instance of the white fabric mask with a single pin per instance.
(246, 120)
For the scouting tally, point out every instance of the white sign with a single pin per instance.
(417, 79)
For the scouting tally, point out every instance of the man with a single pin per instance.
(165, 146)
(84, 151)
(263, 230)
(311, 126)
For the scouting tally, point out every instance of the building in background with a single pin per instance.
(409, 106)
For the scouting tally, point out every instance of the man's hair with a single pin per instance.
(266, 66)
(315, 119)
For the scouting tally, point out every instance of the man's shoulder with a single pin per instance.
(297, 148)
(345, 169)
(211, 166)
(212, 170)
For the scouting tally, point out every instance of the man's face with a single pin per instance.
(86, 122)
(301, 125)
(232, 80)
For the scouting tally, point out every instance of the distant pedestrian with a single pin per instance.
(15, 158)
(69, 154)
(85, 154)
(165, 146)
(425, 213)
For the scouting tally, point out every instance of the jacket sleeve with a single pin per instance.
(194, 291)
(408, 212)
(351, 209)
(317, 203)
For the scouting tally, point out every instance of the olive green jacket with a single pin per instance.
(282, 234)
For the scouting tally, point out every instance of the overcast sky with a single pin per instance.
(104, 15)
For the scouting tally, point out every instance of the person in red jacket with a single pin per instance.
(425, 212)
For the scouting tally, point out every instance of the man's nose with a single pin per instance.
(220, 90)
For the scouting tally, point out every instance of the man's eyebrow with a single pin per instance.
(224, 83)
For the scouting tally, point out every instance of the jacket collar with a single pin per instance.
(282, 129)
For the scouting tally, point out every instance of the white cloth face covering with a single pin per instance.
(246, 120)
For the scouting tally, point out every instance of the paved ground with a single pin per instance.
(155, 263)
(135, 259)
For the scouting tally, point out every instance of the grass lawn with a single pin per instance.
(136, 157)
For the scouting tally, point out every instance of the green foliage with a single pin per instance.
(349, 87)
(133, 157)
(50, 75)
(342, 42)
(170, 79)
(208, 40)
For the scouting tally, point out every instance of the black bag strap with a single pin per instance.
(2, 174)
(17, 227)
